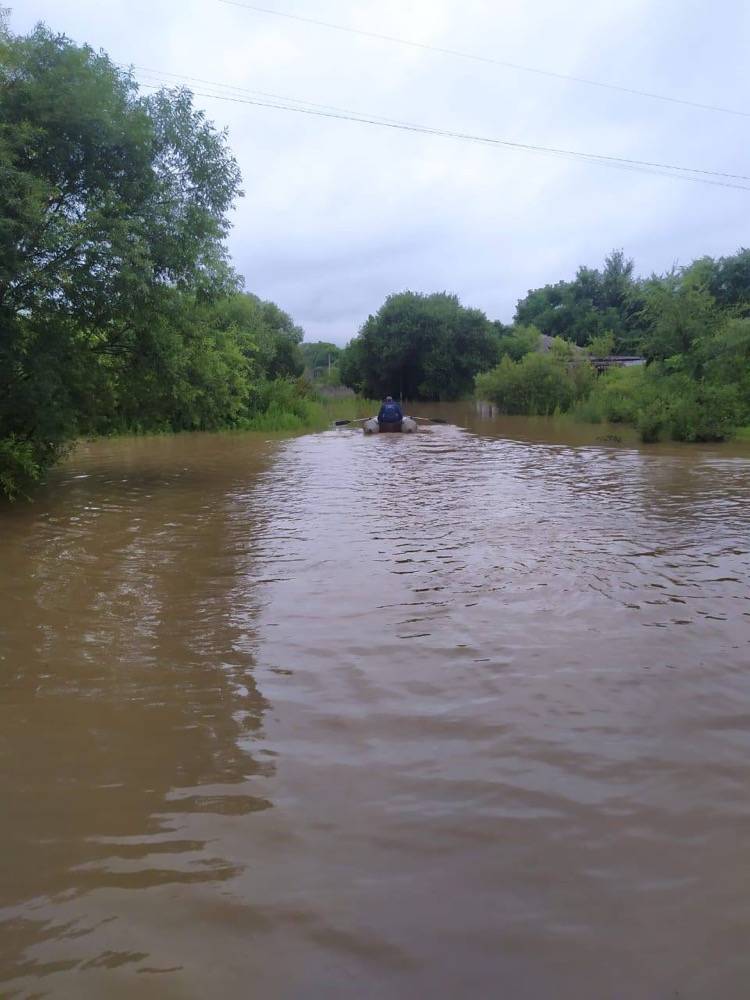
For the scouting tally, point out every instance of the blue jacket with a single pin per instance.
(390, 413)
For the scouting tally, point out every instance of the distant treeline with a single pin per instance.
(691, 327)
(118, 308)
(321, 360)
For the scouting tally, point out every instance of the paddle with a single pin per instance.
(362, 420)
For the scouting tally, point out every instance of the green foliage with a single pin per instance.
(280, 406)
(680, 408)
(321, 360)
(562, 350)
(278, 339)
(663, 404)
(190, 373)
(679, 311)
(330, 377)
(268, 337)
(112, 224)
(537, 384)
(319, 354)
(18, 465)
(602, 346)
(691, 324)
(594, 303)
(287, 405)
(700, 411)
(420, 347)
(725, 359)
(352, 364)
(613, 397)
(728, 280)
(517, 341)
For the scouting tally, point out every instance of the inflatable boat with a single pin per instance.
(406, 426)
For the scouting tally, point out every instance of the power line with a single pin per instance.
(475, 57)
(664, 169)
(243, 91)
(237, 95)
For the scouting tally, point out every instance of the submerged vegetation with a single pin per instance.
(691, 328)
(293, 406)
(538, 383)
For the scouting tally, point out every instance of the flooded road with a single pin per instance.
(458, 714)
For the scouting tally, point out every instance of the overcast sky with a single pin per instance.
(337, 215)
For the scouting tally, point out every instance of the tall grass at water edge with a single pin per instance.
(285, 408)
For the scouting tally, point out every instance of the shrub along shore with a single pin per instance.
(306, 411)
(295, 408)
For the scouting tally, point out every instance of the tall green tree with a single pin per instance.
(420, 347)
(268, 336)
(679, 312)
(111, 206)
(728, 280)
(587, 307)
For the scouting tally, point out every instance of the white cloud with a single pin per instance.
(337, 214)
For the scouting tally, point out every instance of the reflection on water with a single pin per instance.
(457, 714)
(129, 701)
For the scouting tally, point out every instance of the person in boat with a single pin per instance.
(390, 416)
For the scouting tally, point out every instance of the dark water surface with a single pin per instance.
(458, 714)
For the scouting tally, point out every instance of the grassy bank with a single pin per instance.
(308, 413)
(283, 406)
(287, 408)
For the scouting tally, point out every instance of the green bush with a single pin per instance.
(291, 405)
(726, 358)
(614, 397)
(538, 384)
(704, 412)
(518, 342)
(651, 419)
(23, 463)
(660, 403)
(18, 466)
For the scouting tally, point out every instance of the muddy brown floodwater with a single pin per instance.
(458, 714)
